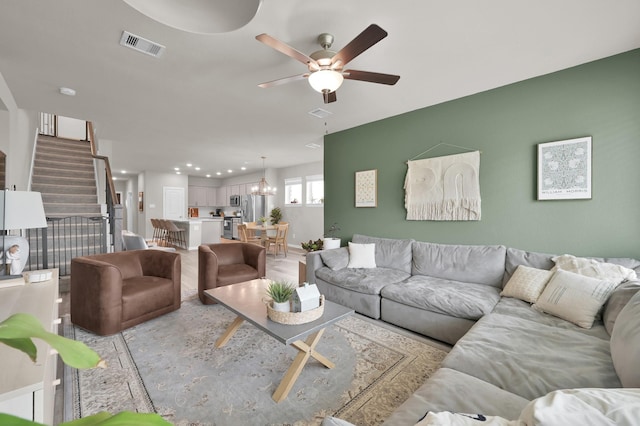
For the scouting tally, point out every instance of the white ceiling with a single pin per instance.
(200, 102)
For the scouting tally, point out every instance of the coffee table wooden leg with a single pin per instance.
(307, 349)
(229, 332)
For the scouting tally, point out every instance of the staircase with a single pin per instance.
(64, 174)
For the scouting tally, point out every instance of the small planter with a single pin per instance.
(331, 243)
(281, 306)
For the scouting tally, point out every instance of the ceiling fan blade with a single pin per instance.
(372, 77)
(370, 36)
(283, 80)
(286, 49)
(329, 97)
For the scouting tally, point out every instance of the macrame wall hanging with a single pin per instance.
(443, 188)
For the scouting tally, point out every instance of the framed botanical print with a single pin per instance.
(367, 188)
(564, 169)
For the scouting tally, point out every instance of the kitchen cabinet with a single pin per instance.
(27, 389)
(223, 196)
(203, 196)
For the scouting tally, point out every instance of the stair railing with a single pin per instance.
(114, 210)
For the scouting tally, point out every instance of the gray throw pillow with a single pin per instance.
(625, 344)
(335, 258)
(617, 301)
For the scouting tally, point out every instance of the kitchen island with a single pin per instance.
(200, 231)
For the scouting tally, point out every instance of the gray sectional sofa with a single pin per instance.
(505, 353)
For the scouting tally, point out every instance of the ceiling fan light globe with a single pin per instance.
(325, 80)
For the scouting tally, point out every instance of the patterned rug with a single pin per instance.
(169, 365)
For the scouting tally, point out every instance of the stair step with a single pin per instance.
(55, 189)
(61, 165)
(51, 150)
(61, 180)
(70, 198)
(65, 172)
(57, 139)
(58, 208)
(64, 143)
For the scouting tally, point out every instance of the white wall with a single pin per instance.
(305, 222)
(153, 187)
(72, 128)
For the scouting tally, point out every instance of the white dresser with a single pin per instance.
(27, 389)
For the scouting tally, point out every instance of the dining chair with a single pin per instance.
(245, 238)
(280, 239)
(251, 232)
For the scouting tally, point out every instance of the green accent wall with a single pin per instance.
(599, 99)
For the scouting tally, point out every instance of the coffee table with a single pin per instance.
(245, 300)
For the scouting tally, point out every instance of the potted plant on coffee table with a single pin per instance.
(280, 292)
(330, 240)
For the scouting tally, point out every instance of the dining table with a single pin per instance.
(263, 231)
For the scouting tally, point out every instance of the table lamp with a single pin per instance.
(18, 210)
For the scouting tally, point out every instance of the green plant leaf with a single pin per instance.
(9, 420)
(20, 328)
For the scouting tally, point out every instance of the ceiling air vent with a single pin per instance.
(320, 113)
(141, 44)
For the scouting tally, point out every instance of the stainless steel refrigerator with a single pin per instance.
(253, 207)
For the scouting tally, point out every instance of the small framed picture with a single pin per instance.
(367, 188)
(564, 169)
(140, 201)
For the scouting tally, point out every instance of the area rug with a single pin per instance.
(170, 366)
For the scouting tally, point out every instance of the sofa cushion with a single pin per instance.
(464, 263)
(141, 295)
(531, 359)
(625, 343)
(451, 390)
(516, 257)
(362, 255)
(527, 283)
(390, 253)
(368, 281)
(594, 268)
(573, 297)
(520, 309)
(454, 298)
(617, 301)
(335, 258)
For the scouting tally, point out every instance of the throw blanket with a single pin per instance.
(443, 188)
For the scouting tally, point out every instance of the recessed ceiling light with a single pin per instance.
(114, 178)
(189, 164)
(178, 173)
(208, 175)
(218, 173)
(123, 171)
(313, 145)
(229, 171)
(243, 168)
(67, 91)
(176, 168)
(197, 168)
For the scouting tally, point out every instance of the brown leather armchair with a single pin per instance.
(114, 291)
(228, 263)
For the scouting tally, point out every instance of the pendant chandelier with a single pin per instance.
(263, 187)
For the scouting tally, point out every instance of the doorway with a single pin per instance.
(173, 203)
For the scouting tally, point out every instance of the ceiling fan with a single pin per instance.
(326, 67)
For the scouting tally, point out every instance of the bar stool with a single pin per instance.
(175, 235)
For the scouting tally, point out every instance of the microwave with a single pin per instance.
(234, 201)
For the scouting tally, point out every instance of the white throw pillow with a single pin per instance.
(527, 283)
(445, 418)
(585, 407)
(573, 297)
(593, 268)
(362, 255)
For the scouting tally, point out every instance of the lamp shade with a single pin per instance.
(325, 80)
(21, 210)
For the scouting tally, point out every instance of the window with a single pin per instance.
(315, 190)
(293, 191)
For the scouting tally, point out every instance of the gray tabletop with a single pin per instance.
(246, 300)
